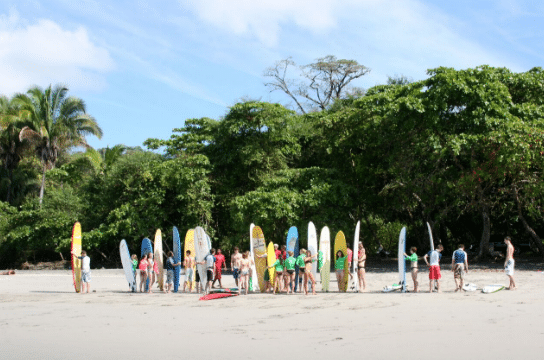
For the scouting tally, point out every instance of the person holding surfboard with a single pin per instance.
(188, 264)
(413, 266)
(143, 273)
(459, 266)
(308, 275)
(85, 271)
(508, 263)
(361, 264)
(209, 260)
(170, 266)
(150, 271)
(339, 267)
(278, 266)
(434, 267)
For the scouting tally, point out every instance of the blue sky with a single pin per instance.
(143, 67)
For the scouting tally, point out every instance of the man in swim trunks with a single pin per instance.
(459, 266)
(188, 264)
(219, 263)
(170, 268)
(209, 261)
(434, 267)
(509, 263)
(235, 259)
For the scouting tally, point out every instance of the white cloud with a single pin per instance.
(263, 19)
(43, 53)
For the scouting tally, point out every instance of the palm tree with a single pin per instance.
(57, 123)
(11, 147)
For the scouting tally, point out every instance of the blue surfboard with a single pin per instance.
(177, 258)
(292, 244)
(147, 248)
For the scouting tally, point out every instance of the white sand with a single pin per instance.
(41, 317)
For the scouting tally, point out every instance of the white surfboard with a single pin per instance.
(202, 249)
(430, 236)
(392, 288)
(325, 249)
(470, 287)
(312, 246)
(254, 277)
(355, 262)
(489, 289)
(127, 265)
(402, 262)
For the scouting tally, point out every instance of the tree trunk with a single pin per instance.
(42, 187)
(486, 233)
(535, 239)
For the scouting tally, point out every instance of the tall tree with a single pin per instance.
(57, 123)
(11, 147)
(319, 84)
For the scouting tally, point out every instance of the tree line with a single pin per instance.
(462, 150)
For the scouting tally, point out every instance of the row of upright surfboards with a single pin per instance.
(258, 248)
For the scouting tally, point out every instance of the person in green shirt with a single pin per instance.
(339, 266)
(300, 264)
(413, 265)
(134, 264)
(279, 274)
(290, 270)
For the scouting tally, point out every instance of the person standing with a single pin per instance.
(188, 264)
(209, 261)
(85, 271)
(301, 268)
(509, 263)
(220, 262)
(350, 259)
(434, 267)
(245, 265)
(340, 262)
(459, 266)
(235, 259)
(413, 266)
(290, 272)
(308, 275)
(361, 264)
(170, 267)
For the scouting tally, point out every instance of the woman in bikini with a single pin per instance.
(339, 266)
(150, 273)
(361, 263)
(244, 273)
(308, 274)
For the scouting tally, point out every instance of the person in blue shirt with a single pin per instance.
(459, 266)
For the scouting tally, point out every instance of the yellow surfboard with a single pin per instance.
(340, 245)
(158, 258)
(190, 245)
(76, 251)
(259, 249)
(271, 259)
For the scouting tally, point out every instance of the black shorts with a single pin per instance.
(197, 276)
(301, 270)
(266, 275)
(209, 274)
(290, 271)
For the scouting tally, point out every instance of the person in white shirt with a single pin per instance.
(459, 266)
(85, 271)
(434, 267)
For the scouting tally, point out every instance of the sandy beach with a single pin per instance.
(42, 317)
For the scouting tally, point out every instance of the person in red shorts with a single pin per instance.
(434, 267)
(219, 263)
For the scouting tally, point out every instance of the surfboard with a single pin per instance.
(158, 258)
(392, 288)
(354, 261)
(127, 265)
(202, 249)
(470, 287)
(489, 289)
(312, 246)
(190, 246)
(217, 296)
(259, 249)
(292, 244)
(325, 250)
(76, 251)
(340, 245)
(430, 236)
(224, 290)
(271, 259)
(254, 278)
(146, 249)
(401, 260)
(176, 249)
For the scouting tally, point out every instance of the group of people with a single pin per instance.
(285, 269)
(459, 266)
